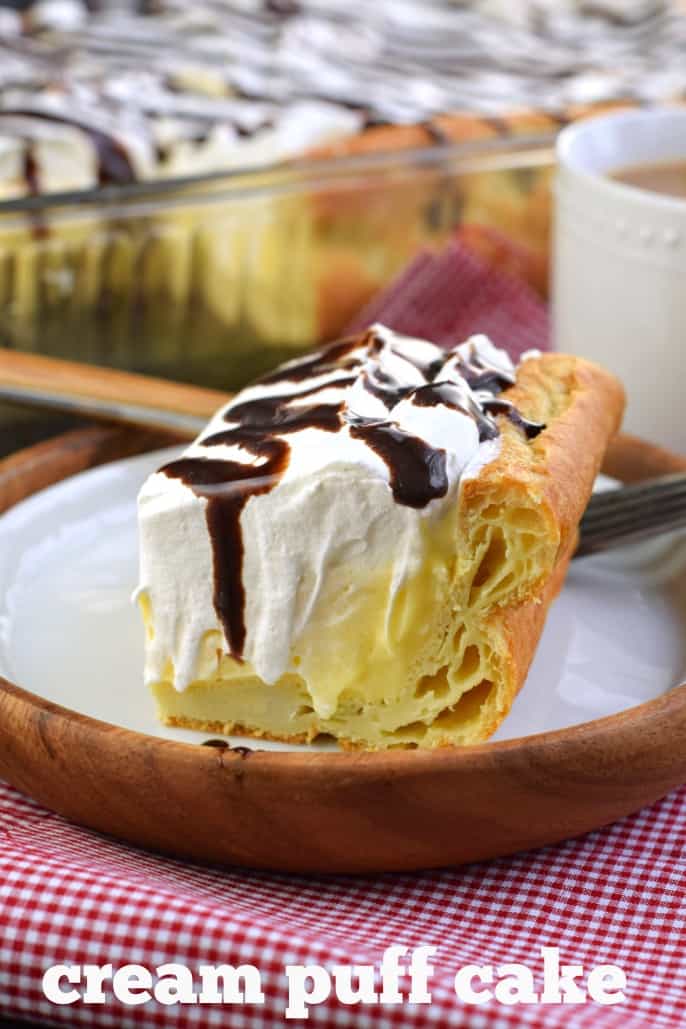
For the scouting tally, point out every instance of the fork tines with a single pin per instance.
(632, 513)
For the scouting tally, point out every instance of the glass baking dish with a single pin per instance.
(214, 280)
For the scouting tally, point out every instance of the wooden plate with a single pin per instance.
(326, 811)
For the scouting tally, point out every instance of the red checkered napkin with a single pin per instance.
(69, 896)
(447, 297)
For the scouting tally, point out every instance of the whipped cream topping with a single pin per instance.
(341, 456)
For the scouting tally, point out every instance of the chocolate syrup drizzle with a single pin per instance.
(114, 162)
(417, 470)
(227, 485)
(259, 427)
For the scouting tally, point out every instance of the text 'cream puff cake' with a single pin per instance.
(366, 542)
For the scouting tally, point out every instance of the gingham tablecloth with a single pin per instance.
(72, 897)
(69, 896)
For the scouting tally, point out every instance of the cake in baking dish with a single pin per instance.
(163, 88)
(366, 542)
(301, 99)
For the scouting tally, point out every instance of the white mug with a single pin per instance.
(619, 275)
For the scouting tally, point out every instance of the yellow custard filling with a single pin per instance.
(383, 665)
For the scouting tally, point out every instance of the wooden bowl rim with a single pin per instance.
(314, 763)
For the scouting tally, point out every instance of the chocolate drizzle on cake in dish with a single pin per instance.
(113, 159)
(163, 89)
(381, 391)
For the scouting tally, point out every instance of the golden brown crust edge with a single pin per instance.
(582, 406)
(460, 127)
(523, 625)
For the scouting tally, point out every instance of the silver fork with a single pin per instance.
(632, 513)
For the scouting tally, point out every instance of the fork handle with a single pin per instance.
(105, 393)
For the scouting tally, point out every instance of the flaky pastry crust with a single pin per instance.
(512, 534)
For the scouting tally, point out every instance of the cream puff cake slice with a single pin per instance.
(365, 543)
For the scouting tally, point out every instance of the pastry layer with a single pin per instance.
(463, 701)
(421, 629)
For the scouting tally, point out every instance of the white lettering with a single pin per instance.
(298, 995)
(129, 978)
(556, 979)
(420, 970)
(390, 974)
(365, 992)
(174, 985)
(463, 984)
(603, 979)
(309, 985)
(233, 991)
(515, 985)
(94, 976)
(51, 984)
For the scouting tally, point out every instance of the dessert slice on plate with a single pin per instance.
(366, 542)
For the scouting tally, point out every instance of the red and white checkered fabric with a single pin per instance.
(69, 896)
(447, 297)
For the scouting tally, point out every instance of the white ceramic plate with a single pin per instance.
(615, 637)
